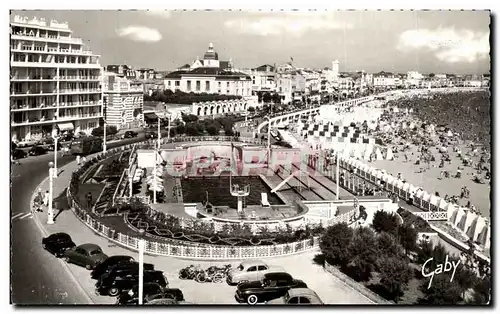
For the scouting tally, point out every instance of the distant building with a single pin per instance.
(384, 80)
(263, 78)
(55, 82)
(210, 76)
(123, 101)
(122, 70)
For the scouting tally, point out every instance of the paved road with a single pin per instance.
(35, 277)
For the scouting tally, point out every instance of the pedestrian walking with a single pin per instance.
(78, 160)
(89, 199)
(46, 198)
(84, 160)
(38, 201)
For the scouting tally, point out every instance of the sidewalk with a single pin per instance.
(330, 289)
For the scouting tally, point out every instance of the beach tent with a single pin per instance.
(434, 203)
(367, 153)
(390, 183)
(460, 215)
(406, 190)
(426, 197)
(418, 197)
(389, 154)
(469, 223)
(442, 204)
(480, 225)
(452, 213)
(379, 154)
(471, 228)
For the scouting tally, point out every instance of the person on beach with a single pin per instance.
(78, 160)
(46, 198)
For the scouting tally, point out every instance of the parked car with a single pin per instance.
(130, 134)
(298, 296)
(19, 154)
(150, 291)
(80, 134)
(58, 243)
(88, 255)
(272, 286)
(124, 281)
(122, 266)
(250, 270)
(107, 264)
(26, 143)
(37, 150)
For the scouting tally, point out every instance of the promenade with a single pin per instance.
(329, 288)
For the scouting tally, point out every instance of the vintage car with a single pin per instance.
(87, 255)
(58, 243)
(298, 296)
(149, 289)
(113, 284)
(272, 286)
(250, 270)
(109, 263)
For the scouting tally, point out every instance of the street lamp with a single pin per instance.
(141, 245)
(56, 138)
(50, 210)
(337, 174)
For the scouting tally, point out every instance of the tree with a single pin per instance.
(212, 129)
(266, 97)
(388, 245)
(192, 130)
(180, 129)
(482, 291)
(99, 131)
(363, 252)
(276, 98)
(383, 221)
(251, 109)
(394, 275)
(425, 252)
(441, 291)
(189, 118)
(334, 244)
(465, 278)
(173, 132)
(407, 237)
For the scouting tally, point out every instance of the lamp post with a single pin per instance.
(104, 135)
(154, 177)
(54, 171)
(169, 125)
(141, 244)
(337, 174)
(50, 210)
(159, 133)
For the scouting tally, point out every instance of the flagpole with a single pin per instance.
(337, 175)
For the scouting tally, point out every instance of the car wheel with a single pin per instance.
(113, 291)
(252, 299)
(88, 266)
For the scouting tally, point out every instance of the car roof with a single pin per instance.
(60, 235)
(277, 275)
(89, 247)
(299, 292)
(251, 262)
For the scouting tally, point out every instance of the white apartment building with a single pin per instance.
(55, 84)
(123, 101)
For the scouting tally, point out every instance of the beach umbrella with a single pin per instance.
(158, 188)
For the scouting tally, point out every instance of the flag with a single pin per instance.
(291, 59)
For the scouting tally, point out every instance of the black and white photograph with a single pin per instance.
(170, 157)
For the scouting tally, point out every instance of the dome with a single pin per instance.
(211, 54)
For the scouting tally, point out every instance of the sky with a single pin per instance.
(393, 41)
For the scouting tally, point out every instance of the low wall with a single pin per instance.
(372, 296)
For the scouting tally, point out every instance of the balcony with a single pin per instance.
(15, 108)
(80, 91)
(80, 104)
(31, 77)
(35, 121)
(33, 93)
(66, 65)
(79, 78)
(47, 38)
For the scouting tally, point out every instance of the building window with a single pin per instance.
(219, 84)
(219, 91)
(168, 83)
(207, 86)
(189, 86)
(227, 84)
(177, 83)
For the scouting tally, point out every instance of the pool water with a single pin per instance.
(195, 189)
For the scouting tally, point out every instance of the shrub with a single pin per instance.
(385, 222)
(334, 244)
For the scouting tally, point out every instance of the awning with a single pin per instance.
(65, 126)
(150, 116)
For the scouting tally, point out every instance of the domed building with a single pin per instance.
(209, 75)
